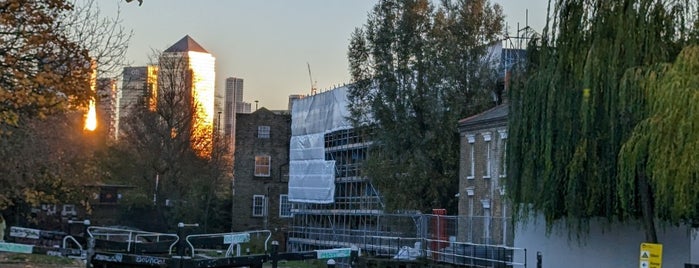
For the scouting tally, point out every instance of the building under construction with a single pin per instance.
(334, 205)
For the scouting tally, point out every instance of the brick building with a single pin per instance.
(261, 171)
(482, 203)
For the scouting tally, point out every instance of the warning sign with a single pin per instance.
(651, 255)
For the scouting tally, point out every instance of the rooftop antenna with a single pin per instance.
(313, 84)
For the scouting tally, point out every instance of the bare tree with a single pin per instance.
(172, 143)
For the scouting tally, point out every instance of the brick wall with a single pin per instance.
(246, 184)
(481, 193)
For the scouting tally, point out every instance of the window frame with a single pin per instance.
(258, 165)
(284, 206)
(503, 153)
(472, 157)
(259, 205)
(263, 132)
(487, 172)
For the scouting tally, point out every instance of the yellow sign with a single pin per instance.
(651, 255)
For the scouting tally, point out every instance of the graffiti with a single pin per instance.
(236, 238)
(107, 258)
(24, 232)
(150, 260)
(16, 248)
(54, 253)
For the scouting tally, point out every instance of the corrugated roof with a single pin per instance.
(186, 44)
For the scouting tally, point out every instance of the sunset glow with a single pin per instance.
(91, 118)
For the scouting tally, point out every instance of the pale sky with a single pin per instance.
(268, 43)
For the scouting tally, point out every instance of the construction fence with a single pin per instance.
(468, 241)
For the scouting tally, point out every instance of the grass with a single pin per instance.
(38, 259)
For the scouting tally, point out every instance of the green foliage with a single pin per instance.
(417, 69)
(663, 145)
(580, 99)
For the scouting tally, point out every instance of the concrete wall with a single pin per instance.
(615, 246)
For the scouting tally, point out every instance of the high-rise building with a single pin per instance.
(188, 70)
(107, 108)
(234, 97)
(234, 94)
(242, 107)
(138, 87)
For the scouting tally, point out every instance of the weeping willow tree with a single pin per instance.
(581, 98)
(658, 171)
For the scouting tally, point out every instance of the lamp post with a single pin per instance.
(218, 124)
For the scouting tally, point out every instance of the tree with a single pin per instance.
(577, 104)
(42, 167)
(657, 171)
(46, 56)
(416, 71)
(169, 142)
(47, 51)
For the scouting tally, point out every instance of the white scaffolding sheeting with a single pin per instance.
(311, 177)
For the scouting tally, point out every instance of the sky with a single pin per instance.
(269, 43)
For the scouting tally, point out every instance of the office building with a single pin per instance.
(138, 87)
(187, 69)
(107, 108)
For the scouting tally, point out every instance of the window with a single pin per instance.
(284, 206)
(263, 132)
(258, 205)
(503, 152)
(262, 166)
(486, 220)
(503, 160)
(488, 155)
(488, 160)
(471, 156)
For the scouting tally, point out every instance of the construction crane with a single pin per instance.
(313, 85)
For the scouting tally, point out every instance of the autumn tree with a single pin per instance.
(416, 70)
(46, 51)
(584, 98)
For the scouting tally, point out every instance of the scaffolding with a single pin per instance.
(357, 207)
(343, 209)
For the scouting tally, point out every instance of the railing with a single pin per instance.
(475, 241)
(131, 237)
(205, 242)
(474, 255)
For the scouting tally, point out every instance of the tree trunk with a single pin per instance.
(647, 208)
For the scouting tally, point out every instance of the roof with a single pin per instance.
(493, 115)
(186, 44)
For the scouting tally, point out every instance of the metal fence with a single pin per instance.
(468, 241)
